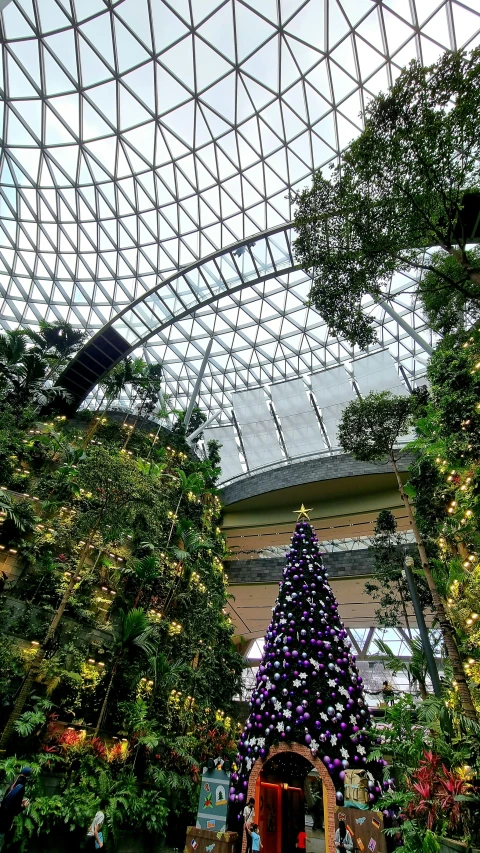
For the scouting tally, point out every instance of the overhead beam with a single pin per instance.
(198, 382)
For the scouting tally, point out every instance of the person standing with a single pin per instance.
(255, 836)
(13, 802)
(343, 839)
(248, 818)
(94, 834)
(301, 841)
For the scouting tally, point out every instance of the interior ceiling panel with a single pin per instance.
(142, 135)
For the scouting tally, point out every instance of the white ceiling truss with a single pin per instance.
(140, 137)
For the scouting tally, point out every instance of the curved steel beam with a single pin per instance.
(249, 262)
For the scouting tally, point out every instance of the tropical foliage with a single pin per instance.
(116, 609)
(401, 189)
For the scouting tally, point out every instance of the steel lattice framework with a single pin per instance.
(142, 136)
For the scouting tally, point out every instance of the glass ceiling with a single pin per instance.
(142, 135)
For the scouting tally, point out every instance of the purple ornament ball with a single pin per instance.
(241, 798)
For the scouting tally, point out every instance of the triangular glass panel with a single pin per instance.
(437, 28)
(218, 30)
(210, 66)
(397, 31)
(131, 111)
(346, 131)
(319, 79)
(466, 22)
(170, 93)
(293, 125)
(216, 124)
(55, 132)
(317, 105)
(427, 8)
(99, 32)
(52, 17)
(249, 131)
(431, 51)
(93, 69)
(270, 142)
(167, 26)
(181, 122)
(295, 98)
(17, 133)
(179, 60)
(355, 10)
(289, 71)
(143, 139)
(263, 65)
(243, 105)
(93, 123)
(342, 83)
(229, 145)
(18, 84)
(141, 83)
(326, 131)
(259, 95)
(310, 19)
(252, 31)
(16, 25)
(378, 82)
(135, 15)
(129, 50)
(104, 97)
(221, 97)
(301, 147)
(63, 47)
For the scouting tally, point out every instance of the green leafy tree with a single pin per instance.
(415, 668)
(24, 373)
(447, 308)
(370, 429)
(112, 485)
(127, 372)
(57, 343)
(388, 585)
(134, 634)
(406, 184)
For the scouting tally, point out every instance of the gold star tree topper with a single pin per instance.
(303, 513)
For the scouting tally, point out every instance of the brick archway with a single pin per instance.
(328, 787)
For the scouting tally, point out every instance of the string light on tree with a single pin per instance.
(308, 688)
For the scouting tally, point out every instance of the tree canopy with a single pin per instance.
(370, 427)
(406, 184)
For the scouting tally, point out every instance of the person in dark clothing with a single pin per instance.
(13, 803)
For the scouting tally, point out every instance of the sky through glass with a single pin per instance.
(142, 135)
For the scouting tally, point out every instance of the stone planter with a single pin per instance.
(50, 782)
(449, 845)
(130, 841)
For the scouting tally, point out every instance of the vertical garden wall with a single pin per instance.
(117, 662)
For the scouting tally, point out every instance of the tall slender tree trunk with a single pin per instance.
(94, 423)
(134, 425)
(445, 627)
(404, 609)
(107, 695)
(32, 673)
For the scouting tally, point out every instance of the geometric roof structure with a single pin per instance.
(141, 136)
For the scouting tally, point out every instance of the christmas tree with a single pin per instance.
(308, 687)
